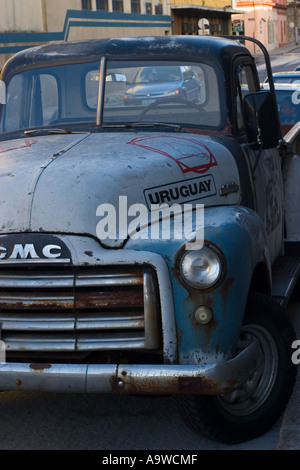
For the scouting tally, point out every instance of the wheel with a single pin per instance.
(254, 407)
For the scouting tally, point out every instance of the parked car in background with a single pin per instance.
(288, 101)
(163, 82)
(285, 77)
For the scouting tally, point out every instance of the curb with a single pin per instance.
(278, 51)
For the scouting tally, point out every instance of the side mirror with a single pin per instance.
(262, 122)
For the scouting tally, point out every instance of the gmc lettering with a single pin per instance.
(28, 251)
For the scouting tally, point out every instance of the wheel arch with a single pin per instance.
(261, 280)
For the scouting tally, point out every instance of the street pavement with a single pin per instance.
(290, 47)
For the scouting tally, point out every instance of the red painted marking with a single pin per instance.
(187, 163)
(17, 144)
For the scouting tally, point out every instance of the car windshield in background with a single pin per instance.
(62, 96)
(176, 93)
(285, 77)
(288, 101)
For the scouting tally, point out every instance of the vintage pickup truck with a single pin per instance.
(149, 228)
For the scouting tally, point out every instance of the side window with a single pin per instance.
(13, 104)
(245, 84)
(32, 100)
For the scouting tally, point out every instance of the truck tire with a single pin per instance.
(255, 407)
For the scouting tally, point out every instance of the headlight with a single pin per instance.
(201, 269)
(171, 93)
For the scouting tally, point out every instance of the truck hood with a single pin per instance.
(69, 183)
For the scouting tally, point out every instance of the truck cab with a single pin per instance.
(142, 228)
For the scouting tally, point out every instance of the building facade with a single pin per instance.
(25, 23)
(293, 20)
(265, 20)
(202, 16)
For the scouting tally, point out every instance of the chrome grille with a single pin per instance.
(83, 310)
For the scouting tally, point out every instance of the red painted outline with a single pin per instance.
(28, 143)
(199, 169)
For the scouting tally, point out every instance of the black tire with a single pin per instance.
(255, 407)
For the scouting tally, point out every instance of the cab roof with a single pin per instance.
(192, 48)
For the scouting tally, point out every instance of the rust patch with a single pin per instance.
(203, 385)
(19, 383)
(117, 386)
(209, 327)
(38, 366)
(180, 334)
(194, 385)
(88, 253)
(109, 299)
(35, 303)
(148, 386)
(225, 288)
(208, 301)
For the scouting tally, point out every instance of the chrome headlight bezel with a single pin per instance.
(202, 269)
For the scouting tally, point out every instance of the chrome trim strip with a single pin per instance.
(70, 343)
(29, 261)
(58, 322)
(26, 282)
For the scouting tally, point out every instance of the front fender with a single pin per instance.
(239, 234)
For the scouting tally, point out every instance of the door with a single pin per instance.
(264, 165)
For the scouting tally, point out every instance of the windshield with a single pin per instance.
(133, 92)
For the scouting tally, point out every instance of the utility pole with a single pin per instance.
(44, 13)
(253, 4)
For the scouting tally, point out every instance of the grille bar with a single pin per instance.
(54, 322)
(67, 343)
(26, 281)
(33, 302)
(84, 310)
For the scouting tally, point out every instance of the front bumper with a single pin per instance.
(209, 379)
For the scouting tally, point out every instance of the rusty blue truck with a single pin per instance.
(144, 242)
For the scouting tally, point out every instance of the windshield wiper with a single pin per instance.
(132, 125)
(44, 130)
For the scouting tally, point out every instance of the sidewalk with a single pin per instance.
(279, 50)
(284, 49)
